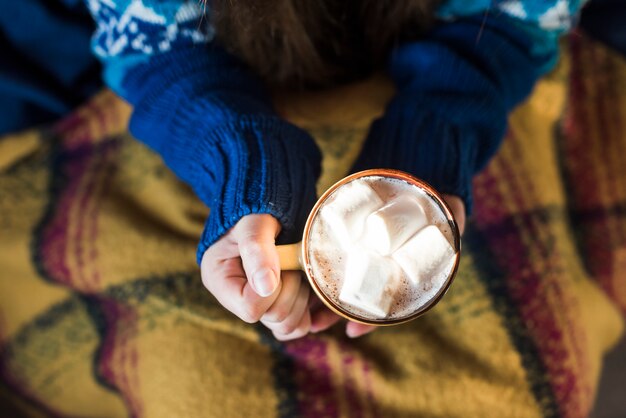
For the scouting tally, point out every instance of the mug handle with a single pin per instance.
(290, 256)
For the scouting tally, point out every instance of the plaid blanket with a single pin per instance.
(103, 314)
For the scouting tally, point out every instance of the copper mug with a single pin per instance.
(296, 256)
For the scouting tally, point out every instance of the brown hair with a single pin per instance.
(317, 42)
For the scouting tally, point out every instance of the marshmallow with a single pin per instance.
(389, 227)
(370, 282)
(345, 212)
(426, 255)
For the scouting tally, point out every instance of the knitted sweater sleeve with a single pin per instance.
(208, 117)
(456, 88)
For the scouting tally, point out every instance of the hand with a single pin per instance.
(242, 271)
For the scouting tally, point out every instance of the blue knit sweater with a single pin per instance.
(213, 123)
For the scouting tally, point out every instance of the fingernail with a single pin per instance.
(353, 333)
(264, 282)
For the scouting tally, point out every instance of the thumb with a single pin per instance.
(255, 235)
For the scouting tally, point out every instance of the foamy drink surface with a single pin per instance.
(381, 248)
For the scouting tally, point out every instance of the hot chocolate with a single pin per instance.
(380, 248)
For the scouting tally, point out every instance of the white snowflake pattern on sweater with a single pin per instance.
(146, 27)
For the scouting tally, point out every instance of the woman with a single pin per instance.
(198, 77)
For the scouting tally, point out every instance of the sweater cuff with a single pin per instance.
(272, 169)
(413, 139)
(455, 89)
(213, 124)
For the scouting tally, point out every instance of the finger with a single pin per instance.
(255, 235)
(355, 329)
(227, 282)
(286, 299)
(458, 210)
(322, 319)
(300, 330)
(294, 318)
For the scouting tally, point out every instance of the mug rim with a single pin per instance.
(400, 175)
